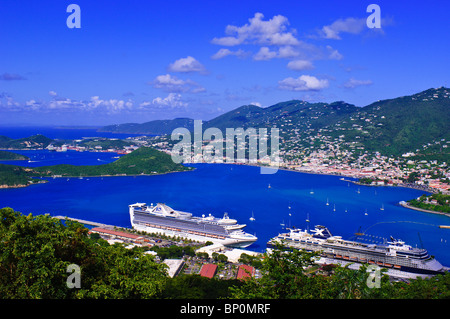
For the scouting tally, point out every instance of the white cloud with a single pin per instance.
(173, 100)
(173, 84)
(284, 52)
(348, 25)
(299, 65)
(186, 65)
(52, 93)
(111, 106)
(334, 54)
(353, 83)
(258, 31)
(287, 52)
(303, 83)
(226, 52)
(264, 54)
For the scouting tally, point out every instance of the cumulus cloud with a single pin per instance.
(258, 31)
(173, 100)
(300, 65)
(52, 93)
(348, 25)
(170, 83)
(187, 65)
(303, 83)
(226, 52)
(284, 52)
(353, 83)
(264, 54)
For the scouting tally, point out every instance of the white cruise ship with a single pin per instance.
(400, 260)
(165, 220)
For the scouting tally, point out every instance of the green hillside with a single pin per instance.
(33, 142)
(15, 176)
(403, 124)
(142, 161)
(10, 156)
(392, 127)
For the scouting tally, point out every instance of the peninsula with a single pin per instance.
(143, 161)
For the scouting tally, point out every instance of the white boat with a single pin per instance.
(252, 218)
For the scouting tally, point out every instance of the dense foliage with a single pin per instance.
(435, 202)
(12, 175)
(35, 252)
(10, 156)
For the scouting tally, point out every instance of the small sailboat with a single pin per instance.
(283, 224)
(269, 186)
(327, 202)
(334, 208)
(311, 192)
(358, 191)
(366, 213)
(252, 218)
(382, 207)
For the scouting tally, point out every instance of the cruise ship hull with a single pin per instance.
(186, 235)
(400, 262)
(192, 228)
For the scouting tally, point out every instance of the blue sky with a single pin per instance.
(136, 61)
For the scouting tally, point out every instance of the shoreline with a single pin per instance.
(406, 205)
(340, 175)
(43, 181)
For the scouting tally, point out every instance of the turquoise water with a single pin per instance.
(241, 190)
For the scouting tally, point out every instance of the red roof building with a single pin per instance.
(245, 271)
(115, 233)
(208, 270)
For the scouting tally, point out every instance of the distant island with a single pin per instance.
(10, 156)
(33, 142)
(143, 161)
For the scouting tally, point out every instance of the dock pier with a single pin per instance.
(85, 222)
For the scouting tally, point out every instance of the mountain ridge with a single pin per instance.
(391, 126)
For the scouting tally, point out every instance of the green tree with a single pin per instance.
(36, 250)
(283, 275)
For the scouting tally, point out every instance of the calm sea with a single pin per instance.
(58, 132)
(240, 191)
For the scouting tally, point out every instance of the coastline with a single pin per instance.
(416, 187)
(4, 186)
(406, 205)
(88, 176)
